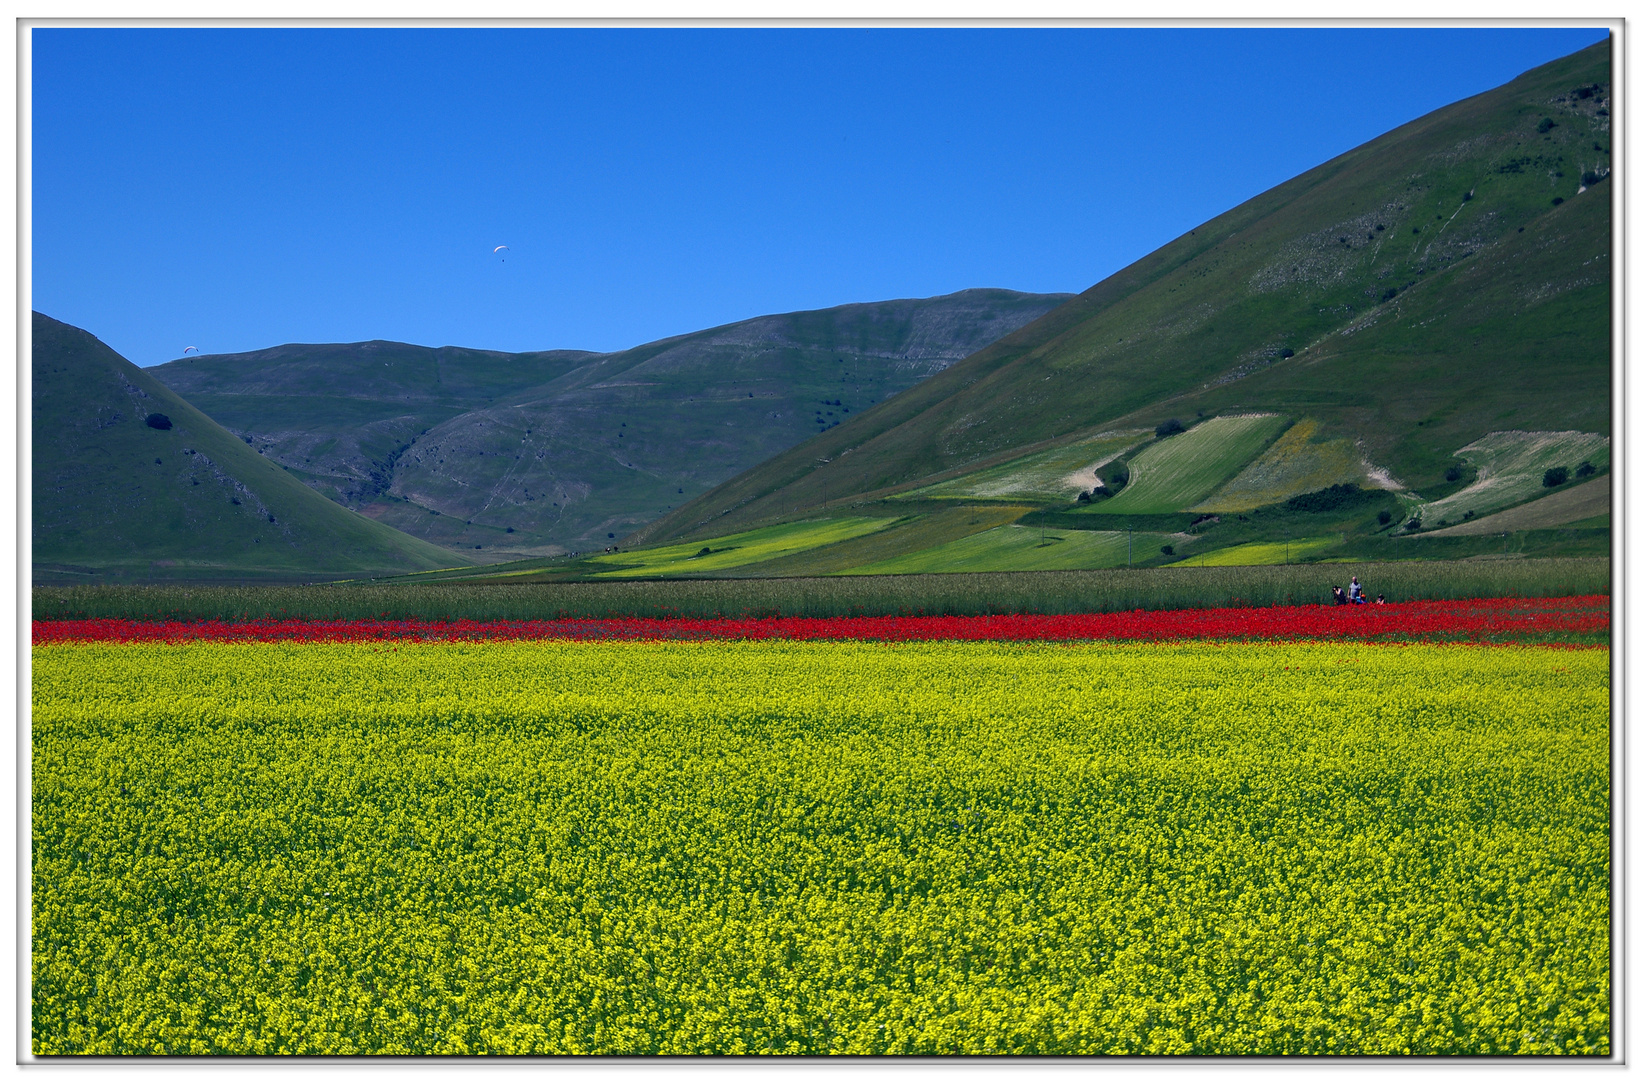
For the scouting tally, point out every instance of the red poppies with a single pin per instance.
(1513, 619)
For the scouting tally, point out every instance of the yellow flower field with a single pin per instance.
(812, 847)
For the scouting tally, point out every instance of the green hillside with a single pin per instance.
(118, 497)
(1444, 282)
(501, 455)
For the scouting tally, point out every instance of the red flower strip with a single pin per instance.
(1445, 620)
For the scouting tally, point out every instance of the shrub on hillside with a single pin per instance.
(1165, 549)
(1556, 476)
(1413, 524)
(1384, 517)
(1333, 498)
(1168, 428)
(1116, 476)
(1545, 125)
(1454, 474)
(1585, 469)
(159, 421)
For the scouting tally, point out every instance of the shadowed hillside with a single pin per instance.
(129, 480)
(499, 454)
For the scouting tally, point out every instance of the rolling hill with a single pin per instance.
(131, 481)
(1396, 309)
(501, 455)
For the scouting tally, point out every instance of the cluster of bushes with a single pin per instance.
(1335, 497)
(1560, 474)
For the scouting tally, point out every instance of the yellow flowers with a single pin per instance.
(689, 847)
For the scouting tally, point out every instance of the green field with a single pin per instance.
(1586, 503)
(1269, 553)
(726, 552)
(1511, 465)
(1019, 547)
(1060, 473)
(1178, 472)
(1298, 462)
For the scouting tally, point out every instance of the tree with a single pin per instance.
(1556, 476)
(1585, 469)
(1165, 549)
(1383, 517)
(159, 421)
(1168, 428)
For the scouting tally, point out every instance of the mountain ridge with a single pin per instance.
(555, 450)
(1305, 277)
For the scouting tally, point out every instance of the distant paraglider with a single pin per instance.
(190, 349)
(501, 248)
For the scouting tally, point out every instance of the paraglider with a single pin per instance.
(500, 247)
(190, 349)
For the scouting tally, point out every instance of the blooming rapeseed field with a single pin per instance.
(387, 845)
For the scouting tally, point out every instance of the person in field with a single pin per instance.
(1379, 599)
(1337, 595)
(1356, 594)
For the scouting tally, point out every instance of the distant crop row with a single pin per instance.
(1047, 593)
(809, 847)
(1577, 620)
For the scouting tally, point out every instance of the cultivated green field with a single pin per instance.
(1268, 553)
(1019, 547)
(1511, 465)
(1573, 504)
(1060, 473)
(1178, 472)
(1297, 463)
(726, 552)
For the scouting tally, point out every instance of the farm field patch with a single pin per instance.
(1020, 547)
(1511, 465)
(1294, 465)
(739, 549)
(1267, 552)
(1177, 472)
(1565, 506)
(1059, 473)
(811, 847)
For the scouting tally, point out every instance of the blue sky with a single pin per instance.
(235, 189)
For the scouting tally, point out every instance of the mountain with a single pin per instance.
(1397, 309)
(500, 454)
(130, 480)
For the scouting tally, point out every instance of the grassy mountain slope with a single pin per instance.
(1446, 280)
(502, 455)
(114, 496)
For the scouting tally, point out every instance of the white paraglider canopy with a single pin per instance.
(190, 349)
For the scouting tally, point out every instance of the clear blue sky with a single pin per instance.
(240, 188)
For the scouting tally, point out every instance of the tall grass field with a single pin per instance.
(1048, 592)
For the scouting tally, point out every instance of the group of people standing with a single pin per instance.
(1355, 595)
